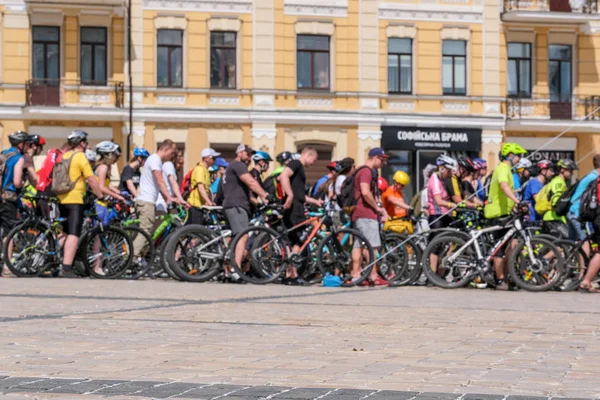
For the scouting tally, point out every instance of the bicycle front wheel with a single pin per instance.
(538, 267)
(265, 255)
(140, 267)
(576, 262)
(407, 266)
(107, 252)
(444, 266)
(29, 250)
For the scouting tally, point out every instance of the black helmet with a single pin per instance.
(566, 163)
(76, 137)
(466, 163)
(18, 137)
(283, 157)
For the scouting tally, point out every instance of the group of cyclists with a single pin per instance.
(80, 177)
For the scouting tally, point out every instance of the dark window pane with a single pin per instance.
(447, 75)
(176, 67)
(565, 80)
(454, 47)
(559, 52)
(524, 77)
(100, 64)
(321, 69)
(93, 35)
(311, 42)
(554, 80)
(229, 39)
(304, 70)
(512, 79)
(86, 62)
(46, 33)
(215, 68)
(216, 38)
(396, 45)
(170, 37)
(393, 74)
(519, 50)
(230, 72)
(406, 74)
(39, 61)
(163, 68)
(460, 73)
(53, 61)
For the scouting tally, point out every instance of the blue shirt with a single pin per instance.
(532, 188)
(480, 190)
(517, 183)
(321, 181)
(581, 186)
(9, 169)
(214, 187)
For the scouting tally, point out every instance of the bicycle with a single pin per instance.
(535, 264)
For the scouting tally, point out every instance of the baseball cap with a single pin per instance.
(378, 152)
(210, 153)
(243, 147)
(220, 162)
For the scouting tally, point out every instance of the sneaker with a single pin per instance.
(68, 273)
(379, 282)
(502, 286)
(297, 282)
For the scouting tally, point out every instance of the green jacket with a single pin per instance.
(557, 187)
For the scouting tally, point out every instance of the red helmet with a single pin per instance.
(544, 164)
(332, 166)
(382, 184)
(37, 140)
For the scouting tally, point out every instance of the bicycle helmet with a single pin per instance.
(140, 152)
(18, 137)
(332, 166)
(283, 157)
(261, 155)
(545, 164)
(76, 137)
(106, 147)
(566, 163)
(523, 163)
(480, 162)
(513, 148)
(382, 184)
(402, 178)
(466, 163)
(446, 161)
(37, 140)
(91, 155)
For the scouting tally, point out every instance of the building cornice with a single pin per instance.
(220, 6)
(316, 8)
(428, 12)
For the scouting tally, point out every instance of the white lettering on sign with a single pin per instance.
(422, 136)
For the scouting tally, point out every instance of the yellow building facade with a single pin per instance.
(417, 77)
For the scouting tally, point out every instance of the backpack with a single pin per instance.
(272, 185)
(45, 174)
(415, 203)
(185, 185)
(61, 179)
(4, 157)
(542, 201)
(563, 204)
(589, 202)
(346, 199)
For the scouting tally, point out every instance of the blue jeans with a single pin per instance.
(576, 231)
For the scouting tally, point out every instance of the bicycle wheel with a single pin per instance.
(335, 255)
(195, 253)
(443, 267)
(265, 258)
(109, 249)
(309, 271)
(394, 260)
(575, 265)
(139, 268)
(33, 250)
(540, 274)
(411, 265)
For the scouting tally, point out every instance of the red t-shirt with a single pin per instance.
(363, 210)
(45, 173)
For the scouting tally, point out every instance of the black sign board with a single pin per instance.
(552, 155)
(411, 138)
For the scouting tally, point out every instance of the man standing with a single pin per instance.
(169, 170)
(293, 181)
(130, 177)
(261, 165)
(558, 185)
(151, 184)
(200, 194)
(237, 184)
(71, 203)
(365, 215)
(502, 200)
(576, 231)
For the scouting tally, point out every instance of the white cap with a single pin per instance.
(210, 153)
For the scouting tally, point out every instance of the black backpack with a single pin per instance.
(588, 205)
(346, 199)
(563, 204)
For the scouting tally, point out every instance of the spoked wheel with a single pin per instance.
(537, 268)
(309, 271)
(394, 260)
(334, 256)
(139, 266)
(195, 253)
(576, 262)
(28, 250)
(407, 268)
(444, 266)
(265, 256)
(108, 250)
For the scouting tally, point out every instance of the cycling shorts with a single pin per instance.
(438, 222)
(73, 213)
(8, 215)
(293, 216)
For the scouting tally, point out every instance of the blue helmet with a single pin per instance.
(220, 162)
(262, 155)
(140, 152)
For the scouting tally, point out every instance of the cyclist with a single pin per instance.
(92, 157)
(107, 151)
(576, 231)
(293, 181)
(218, 170)
(365, 217)
(325, 178)
(36, 146)
(272, 185)
(466, 169)
(502, 201)
(71, 203)
(344, 168)
(44, 192)
(438, 197)
(169, 171)
(480, 178)
(130, 177)
(558, 185)
(261, 165)
(541, 173)
(395, 205)
(200, 186)
(521, 175)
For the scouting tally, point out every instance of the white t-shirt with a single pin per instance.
(339, 181)
(168, 169)
(148, 190)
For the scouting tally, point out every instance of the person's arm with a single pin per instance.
(508, 192)
(398, 202)
(204, 194)
(32, 176)
(249, 181)
(131, 187)
(286, 185)
(162, 186)
(18, 173)
(314, 202)
(107, 191)
(440, 202)
(369, 199)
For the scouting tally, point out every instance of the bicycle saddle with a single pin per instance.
(212, 208)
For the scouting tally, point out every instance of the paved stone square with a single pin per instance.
(89, 339)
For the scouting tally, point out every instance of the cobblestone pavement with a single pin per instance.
(87, 339)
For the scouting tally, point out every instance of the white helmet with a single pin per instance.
(447, 161)
(106, 147)
(91, 155)
(523, 163)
